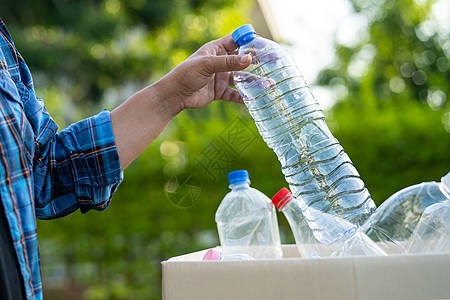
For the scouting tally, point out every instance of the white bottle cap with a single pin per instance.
(445, 180)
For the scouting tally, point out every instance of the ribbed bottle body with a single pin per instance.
(288, 117)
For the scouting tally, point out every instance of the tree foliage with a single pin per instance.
(88, 54)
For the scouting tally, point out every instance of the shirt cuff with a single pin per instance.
(96, 164)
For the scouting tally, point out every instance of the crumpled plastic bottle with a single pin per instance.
(432, 233)
(393, 223)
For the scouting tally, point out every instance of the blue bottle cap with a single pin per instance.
(238, 177)
(243, 34)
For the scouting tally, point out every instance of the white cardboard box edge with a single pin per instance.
(425, 276)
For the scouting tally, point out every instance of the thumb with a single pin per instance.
(225, 63)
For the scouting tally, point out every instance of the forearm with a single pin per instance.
(139, 120)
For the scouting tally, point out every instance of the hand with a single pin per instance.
(201, 79)
(205, 76)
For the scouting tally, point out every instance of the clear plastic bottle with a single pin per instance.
(393, 223)
(213, 254)
(288, 117)
(307, 244)
(432, 233)
(247, 221)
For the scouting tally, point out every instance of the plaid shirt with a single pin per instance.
(43, 173)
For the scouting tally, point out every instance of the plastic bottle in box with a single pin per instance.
(247, 221)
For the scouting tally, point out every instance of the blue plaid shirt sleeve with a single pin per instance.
(44, 173)
(76, 168)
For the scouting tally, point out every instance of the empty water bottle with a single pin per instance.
(247, 221)
(432, 233)
(307, 244)
(288, 117)
(396, 218)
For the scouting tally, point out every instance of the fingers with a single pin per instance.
(230, 78)
(232, 95)
(225, 63)
(227, 43)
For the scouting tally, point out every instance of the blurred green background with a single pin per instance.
(393, 120)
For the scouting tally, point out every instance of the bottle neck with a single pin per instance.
(285, 202)
(239, 185)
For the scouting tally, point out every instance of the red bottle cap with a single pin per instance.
(281, 198)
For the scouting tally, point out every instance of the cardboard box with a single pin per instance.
(389, 277)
